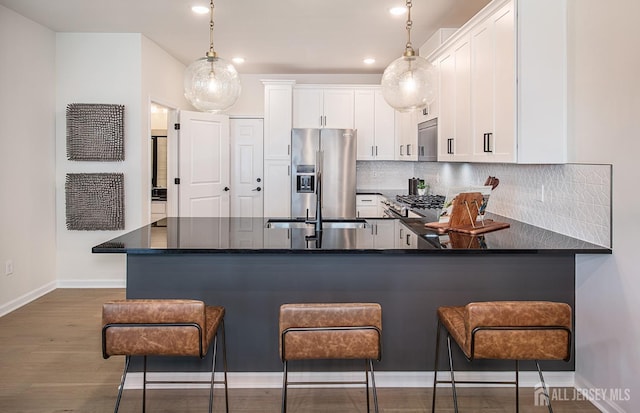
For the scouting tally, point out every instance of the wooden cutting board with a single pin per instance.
(489, 225)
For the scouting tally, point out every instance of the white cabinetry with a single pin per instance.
(323, 107)
(379, 235)
(374, 120)
(503, 87)
(405, 238)
(368, 206)
(454, 121)
(278, 98)
(406, 136)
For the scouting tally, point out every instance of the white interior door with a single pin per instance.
(203, 165)
(247, 198)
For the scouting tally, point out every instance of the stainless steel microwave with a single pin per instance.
(428, 140)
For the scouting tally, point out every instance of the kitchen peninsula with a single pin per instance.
(251, 267)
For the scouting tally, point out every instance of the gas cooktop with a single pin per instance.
(422, 201)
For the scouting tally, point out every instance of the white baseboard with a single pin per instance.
(396, 379)
(91, 284)
(604, 404)
(27, 298)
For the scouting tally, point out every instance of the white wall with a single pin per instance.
(27, 160)
(604, 105)
(97, 68)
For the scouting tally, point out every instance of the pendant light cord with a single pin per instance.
(211, 52)
(409, 47)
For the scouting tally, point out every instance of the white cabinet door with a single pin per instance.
(407, 136)
(385, 233)
(405, 238)
(374, 120)
(446, 120)
(338, 108)
(364, 119)
(493, 88)
(504, 114)
(323, 108)
(277, 120)
(462, 145)
(308, 110)
(277, 188)
(384, 126)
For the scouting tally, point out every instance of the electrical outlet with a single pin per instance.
(540, 194)
(8, 267)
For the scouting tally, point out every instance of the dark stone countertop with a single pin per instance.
(379, 236)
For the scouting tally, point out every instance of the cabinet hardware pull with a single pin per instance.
(289, 149)
(372, 151)
(487, 142)
(450, 146)
(409, 150)
(376, 150)
(408, 239)
(401, 151)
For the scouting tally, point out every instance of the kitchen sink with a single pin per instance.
(326, 224)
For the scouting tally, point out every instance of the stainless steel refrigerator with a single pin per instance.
(332, 152)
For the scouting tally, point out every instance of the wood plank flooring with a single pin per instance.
(51, 362)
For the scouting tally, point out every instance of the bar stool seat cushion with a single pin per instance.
(511, 330)
(135, 339)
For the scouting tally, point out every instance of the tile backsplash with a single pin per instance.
(571, 199)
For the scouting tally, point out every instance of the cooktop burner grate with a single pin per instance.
(422, 201)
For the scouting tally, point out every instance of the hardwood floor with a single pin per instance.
(51, 362)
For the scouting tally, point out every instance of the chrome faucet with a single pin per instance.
(318, 219)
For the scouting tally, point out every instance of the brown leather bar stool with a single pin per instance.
(331, 331)
(506, 330)
(163, 327)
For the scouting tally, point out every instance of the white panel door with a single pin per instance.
(203, 165)
(247, 159)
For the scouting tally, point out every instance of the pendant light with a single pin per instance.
(211, 83)
(408, 83)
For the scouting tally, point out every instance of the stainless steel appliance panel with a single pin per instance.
(338, 147)
(338, 173)
(305, 143)
(428, 140)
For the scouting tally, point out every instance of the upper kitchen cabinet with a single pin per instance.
(323, 107)
(278, 97)
(374, 120)
(503, 88)
(406, 136)
(454, 119)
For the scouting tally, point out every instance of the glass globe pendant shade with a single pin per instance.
(211, 84)
(408, 83)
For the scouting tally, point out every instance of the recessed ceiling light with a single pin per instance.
(398, 11)
(369, 61)
(200, 9)
(238, 60)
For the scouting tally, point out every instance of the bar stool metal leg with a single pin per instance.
(544, 387)
(453, 380)
(517, 387)
(284, 387)
(373, 383)
(435, 370)
(224, 365)
(144, 386)
(127, 359)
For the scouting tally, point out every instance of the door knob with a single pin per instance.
(226, 188)
(257, 189)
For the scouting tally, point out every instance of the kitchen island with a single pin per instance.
(252, 267)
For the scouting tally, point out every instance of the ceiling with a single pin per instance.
(274, 36)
